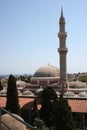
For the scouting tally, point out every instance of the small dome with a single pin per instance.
(20, 83)
(38, 91)
(47, 71)
(27, 92)
(19, 93)
(12, 123)
(82, 94)
(77, 84)
(69, 94)
(4, 91)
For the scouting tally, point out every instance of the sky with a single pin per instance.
(28, 35)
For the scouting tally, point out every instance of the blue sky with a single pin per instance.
(28, 35)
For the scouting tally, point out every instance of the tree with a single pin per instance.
(12, 103)
(56, 112)
(83, 78)
(35, 110)
(40, 124)
(62, 115)
(1, 88)
(48, 98)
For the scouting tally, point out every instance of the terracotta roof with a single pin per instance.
(2, 101)
(26, 103)
(77, 105)
(22, 101)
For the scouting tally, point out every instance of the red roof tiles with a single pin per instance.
(2, 101)
(77, 105)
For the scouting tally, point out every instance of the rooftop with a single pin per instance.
(77, 104)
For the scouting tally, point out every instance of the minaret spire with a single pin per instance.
(61, 11)
(62, 52)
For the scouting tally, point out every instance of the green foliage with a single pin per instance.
(1, 88)
(40, 124)
(26, 115)
(35, 110)
(12, 103)
(83, 79)
(55, 111)
(48, 98)
(25, 78)
(48, 94)
(22, 78)
(62, 115)
(28, 79)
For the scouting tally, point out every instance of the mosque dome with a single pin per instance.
(28, 93)
(38, 91)
(20, 83)
(69, 94)
(82, 94)
(77, 84)
(47, 71)
(4, 91)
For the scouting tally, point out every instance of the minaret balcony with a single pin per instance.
(62, 34)
(63, 50)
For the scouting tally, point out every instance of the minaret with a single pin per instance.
(62, 51)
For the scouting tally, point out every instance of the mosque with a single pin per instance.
(50, 75)
(57, 78)
(75, 91)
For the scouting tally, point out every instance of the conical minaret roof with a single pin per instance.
(62, 19)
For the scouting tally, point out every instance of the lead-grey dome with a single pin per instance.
(77, 84)
(47, 71)
(82, 94)
(69, 94)
(12, 123)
